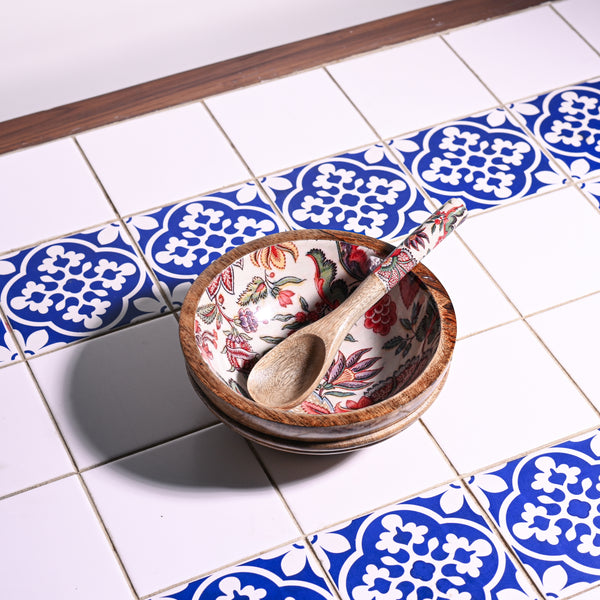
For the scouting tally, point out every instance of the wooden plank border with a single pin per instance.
(245, 70)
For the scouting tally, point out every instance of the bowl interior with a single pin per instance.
(268, 294)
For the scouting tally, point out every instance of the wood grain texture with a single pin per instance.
(310, 432)
(242, 71)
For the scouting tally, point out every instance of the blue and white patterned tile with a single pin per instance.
(435, 546)
(181, 240)
(488, 160)
(288, 572)
(363, 192)
(567, 123)
(592, 190)
(8, 350)
(75, 287)
(547, 506)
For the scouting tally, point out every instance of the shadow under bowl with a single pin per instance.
(388, 371)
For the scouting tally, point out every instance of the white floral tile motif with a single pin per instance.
(567, 123)
(75, 287)
(8, 350)
(487, 160)
(288, 572)
(592, 190)
(363, 192)
(181, 240)
(436, 545)
(547, 505)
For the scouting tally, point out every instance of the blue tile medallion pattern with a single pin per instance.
(362, 192)
(75, 287)
(286, 574)
(181, 240)
(567, 123)
(486, 160)
(435, 546)
(547, 505)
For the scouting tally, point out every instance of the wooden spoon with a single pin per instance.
(287, 375)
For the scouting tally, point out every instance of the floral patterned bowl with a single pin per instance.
(387, 373)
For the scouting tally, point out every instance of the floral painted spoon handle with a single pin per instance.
(420, 242)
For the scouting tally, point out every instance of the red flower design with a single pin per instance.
(203, 339)
(224, 279)
(382, 316)
(285, 298)
(239, 352)
(409, 288)
(353, 404)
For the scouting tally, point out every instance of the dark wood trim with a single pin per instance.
(245, 70)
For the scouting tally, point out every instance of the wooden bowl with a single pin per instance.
(388, 372)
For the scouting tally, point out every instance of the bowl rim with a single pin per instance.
(206, 377)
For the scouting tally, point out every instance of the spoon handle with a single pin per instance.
(416, 246)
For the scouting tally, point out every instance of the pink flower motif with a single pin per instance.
(239, 352)
(285, 298)
(382, 316)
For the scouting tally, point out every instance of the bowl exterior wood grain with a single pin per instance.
(341, 416)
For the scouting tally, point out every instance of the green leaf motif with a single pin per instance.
(286, 280)
(255, 291)
(270, 339)
(207, 313)
(283, 318)
(426, 323)
(330, 289)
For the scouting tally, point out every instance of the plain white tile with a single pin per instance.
(526, 53)
(52, 546)
(571, 332)
(322, 490)
(162, 157)
(187, 507)
(399, 90)
(47, 191)
(584, 16)
(121, 392)
(290, 121)
(542, 251)
(31, 450)
(504, 395)
(478, 302)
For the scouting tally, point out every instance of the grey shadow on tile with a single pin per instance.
(129, 391)
(126, 391)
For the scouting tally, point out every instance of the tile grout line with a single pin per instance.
(562, 368)
(429, 202)
(217, 570)
(305, 537)
(523, 319)
(573, 28)
(506, 106)
(254, 178)
(502, 538)
(463, 479)
(76, 473)
(137, 249)
(107, 535)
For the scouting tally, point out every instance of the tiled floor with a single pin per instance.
(115, 482)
